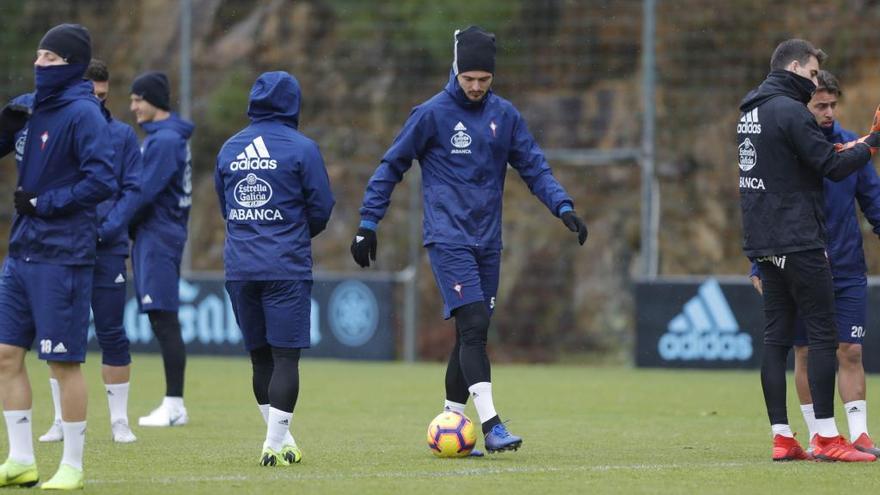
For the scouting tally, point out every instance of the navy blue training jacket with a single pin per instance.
(464, 148)
(273, 189)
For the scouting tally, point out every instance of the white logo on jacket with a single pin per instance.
(252, 191)
(748, 123)
(254, 157)
(460, 140)
(748, 155)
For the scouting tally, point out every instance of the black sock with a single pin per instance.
(456, 386)
(262, 365)
(821, 373)
(773, 382)
(472, 323)
(284, 386)
(166, 328)
(488, 425)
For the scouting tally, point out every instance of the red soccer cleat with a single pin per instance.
(788, 449)
(838, 449)
(865, 444)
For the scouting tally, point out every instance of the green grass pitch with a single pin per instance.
(362, 430)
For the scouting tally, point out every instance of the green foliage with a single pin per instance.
(362, 429)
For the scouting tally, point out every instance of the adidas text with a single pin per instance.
(748, 123)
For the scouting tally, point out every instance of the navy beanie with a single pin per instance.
(153, 87)
(70, 41)
(474, 50)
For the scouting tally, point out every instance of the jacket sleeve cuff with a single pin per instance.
(369, 224)
(564, 208)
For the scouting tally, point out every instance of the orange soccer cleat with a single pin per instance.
(865, 444)
(788, 449)
(838, 449)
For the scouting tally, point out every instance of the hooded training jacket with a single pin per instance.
(273, 189)
(845, 253)
(166, 180)
(66, 159)
(463, 148)
(783, 157)
(116, 212)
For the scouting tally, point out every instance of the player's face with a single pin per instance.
(475, 84)
(45, 58)
(823, 106)
(810, 70)
(142, 109)
(101, 89)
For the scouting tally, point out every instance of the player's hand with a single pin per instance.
(25, 202)
(575, 224)
(757, 284)
(871, 140)
(13, 118)
(363, 247)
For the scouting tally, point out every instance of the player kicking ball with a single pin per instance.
(464, 138)
(275, 196)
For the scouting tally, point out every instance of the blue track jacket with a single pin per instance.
(166, 183)
(115, 212)
(272, 187)
(66, 158)
(464, 148)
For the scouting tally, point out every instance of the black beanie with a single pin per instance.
(474, 50)
(70, 41)
(153, 87)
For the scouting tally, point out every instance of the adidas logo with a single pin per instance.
(748, 123)
(459, 127)
(59, 349)
(22, 421)
(147, 300)
(254, 157)
(853, 409)
(705, 330)
(285, 422)
(120, 279)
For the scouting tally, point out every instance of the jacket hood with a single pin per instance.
(275, 96)
(779, 83)
(454, 90)
(173, 123)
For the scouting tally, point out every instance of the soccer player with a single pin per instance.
(848, 271)
(783, 157)
(66, 170)
(275, 196)
(464, 137)
(108, 284)
(159, 232)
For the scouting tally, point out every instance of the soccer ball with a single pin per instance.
(451, 434)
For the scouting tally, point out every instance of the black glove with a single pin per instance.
(316, 227)
(132, 230)
(575, 224)
(13, 118)
(23, 204)
(363, 247)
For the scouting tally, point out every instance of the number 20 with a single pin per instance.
(858, 331)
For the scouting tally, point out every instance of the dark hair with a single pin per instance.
(829, 83)
(97, 71)
(795, 49)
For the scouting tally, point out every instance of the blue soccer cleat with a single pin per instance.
(476, 453)
(499, 439)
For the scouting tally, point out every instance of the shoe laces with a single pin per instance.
(501, 430)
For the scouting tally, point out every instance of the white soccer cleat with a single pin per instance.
(165, 415)
(54, 434)
(121, 432)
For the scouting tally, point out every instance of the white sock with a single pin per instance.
(276, 428)
(21, 442)
(857, 417)
(56, 398)
(117, 399)
(809, 418)
(826, 427)
(453, 406)
(784, 430)
(175, 402)
(74, 441)
(264, 410)
(482, 393)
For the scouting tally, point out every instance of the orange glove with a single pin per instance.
(871, 142)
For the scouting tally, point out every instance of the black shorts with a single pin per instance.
(798, 284)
